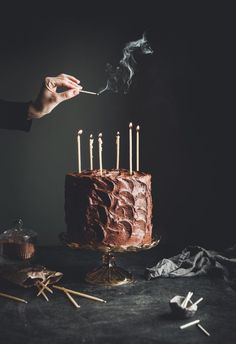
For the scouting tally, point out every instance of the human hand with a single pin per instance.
(49, 98)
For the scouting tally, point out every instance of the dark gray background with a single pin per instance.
(179, 97)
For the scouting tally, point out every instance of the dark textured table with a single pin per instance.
(135, 313)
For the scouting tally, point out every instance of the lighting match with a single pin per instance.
(88, 92)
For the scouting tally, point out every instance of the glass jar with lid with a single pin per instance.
(17, 242)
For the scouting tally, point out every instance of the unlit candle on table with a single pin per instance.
(72, 299)
(87, 296)
(189, 324)
(203, 330)
(197, 302)
(187, 299)
(11, 297)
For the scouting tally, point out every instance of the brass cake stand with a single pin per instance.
(108, 274)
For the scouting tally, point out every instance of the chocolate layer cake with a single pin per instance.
(114, 209)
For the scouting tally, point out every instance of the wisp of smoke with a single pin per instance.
(120, 78)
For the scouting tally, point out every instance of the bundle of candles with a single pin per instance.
(185, 305)
(43, 287)
(100, 144)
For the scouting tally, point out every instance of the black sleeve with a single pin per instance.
(13, 115)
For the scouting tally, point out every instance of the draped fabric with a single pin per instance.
(197, 261)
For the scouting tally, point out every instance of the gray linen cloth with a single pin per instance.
(197, 261)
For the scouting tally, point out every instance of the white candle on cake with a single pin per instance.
(91, 140)
(117, 150)
(79, 149)
(137, 147)
(130, 149)
(100, 142)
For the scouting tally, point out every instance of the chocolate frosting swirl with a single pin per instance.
(113, 209)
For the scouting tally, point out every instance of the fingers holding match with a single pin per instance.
(67, 81)
(68, 94)
(71, 77)
(64, 82)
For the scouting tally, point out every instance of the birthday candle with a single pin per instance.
(79, 149)
(91, 151)
(130, 149)
(137, 147)
(100, 142)
(117, 150)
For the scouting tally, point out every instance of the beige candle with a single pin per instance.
(87, 296)
(91, 140)
(197, 302)
(45, 296)
(117, 150)
(43, 286)
(187, 299)
(137, 147)
(11, 297)
(72, 299)
(203, 330)
(189, 324)
(130, 149)
(100, 142)
(79, 149)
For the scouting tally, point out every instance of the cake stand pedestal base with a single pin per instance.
(109, 273)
